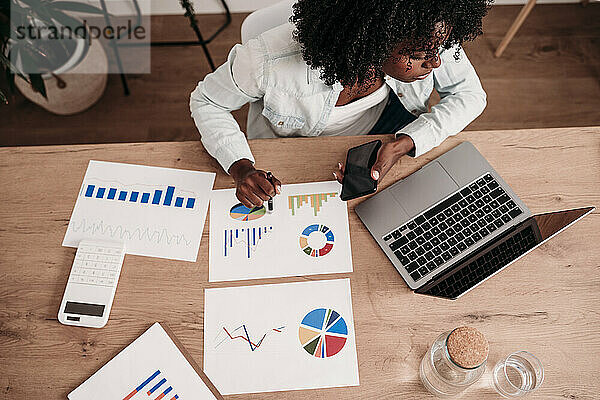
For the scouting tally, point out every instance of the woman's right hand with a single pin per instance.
(252, 186)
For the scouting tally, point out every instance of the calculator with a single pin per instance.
(92, 284)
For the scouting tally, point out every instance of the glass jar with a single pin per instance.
(454, 362)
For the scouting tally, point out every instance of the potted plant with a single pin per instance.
(46, 53)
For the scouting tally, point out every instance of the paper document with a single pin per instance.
(152, 367)
(157, 212)
(280, 337)
(306, 234)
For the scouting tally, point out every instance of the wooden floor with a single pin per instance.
(548, 77)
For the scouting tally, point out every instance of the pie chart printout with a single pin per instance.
(323, 332)
(243, 213)
(316, 240)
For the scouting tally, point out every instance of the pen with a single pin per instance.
(270, 202)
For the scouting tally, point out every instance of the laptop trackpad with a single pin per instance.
(424, 188)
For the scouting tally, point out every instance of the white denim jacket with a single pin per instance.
(289, 99)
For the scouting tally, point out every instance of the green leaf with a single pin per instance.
(33, 3)
(5, 62)
(10, 79)
(17, 16)
(3, 97)
(65, 19)
(39, 10)
(76, 6)
(34, 60)
(37, 82)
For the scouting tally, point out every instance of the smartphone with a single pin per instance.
(357, 180)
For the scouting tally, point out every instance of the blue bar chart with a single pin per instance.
(248, 237)
(90, 191)
(169, 195)
(162, 197)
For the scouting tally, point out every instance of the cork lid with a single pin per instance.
(467, 347)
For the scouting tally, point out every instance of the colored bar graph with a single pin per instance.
(163, 394)
(100, 193)
(156, 198)
(133, 196)
(145, 197)
(316, 201)
(141, 386)
(159, 384)
(169, 195)
(122, 195)
(112, 192)
(179, 202)
(90, 190)
(130, 395)
(190, 202)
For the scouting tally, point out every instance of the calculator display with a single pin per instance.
(94, 310)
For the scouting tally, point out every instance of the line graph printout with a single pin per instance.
(150, 368)
(157, 212)
(287, 336)
(307, 233)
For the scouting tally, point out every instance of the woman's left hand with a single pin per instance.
(387, 156)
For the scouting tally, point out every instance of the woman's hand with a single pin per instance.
(387, 156)
(252, 185)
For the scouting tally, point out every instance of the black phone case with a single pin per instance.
(357, 180)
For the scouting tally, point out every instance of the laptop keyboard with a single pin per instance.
(452, 226)
(485, 265)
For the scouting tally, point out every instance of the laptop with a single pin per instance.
(455, 223)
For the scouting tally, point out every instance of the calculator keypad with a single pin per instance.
(96, 265)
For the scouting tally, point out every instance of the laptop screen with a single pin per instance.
(495, 255)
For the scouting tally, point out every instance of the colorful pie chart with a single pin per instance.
(316, 233)
(243, 213)
(323, 332)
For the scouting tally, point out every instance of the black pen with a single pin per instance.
(270, 202)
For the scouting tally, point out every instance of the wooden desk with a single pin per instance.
(546, 303)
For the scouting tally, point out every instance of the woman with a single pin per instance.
(349, 67)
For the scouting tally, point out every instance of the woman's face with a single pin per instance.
(416, 66)
(411, 68)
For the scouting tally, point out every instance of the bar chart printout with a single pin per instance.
(251, 243)
(150, 368)
(155, 212)
(316, 201)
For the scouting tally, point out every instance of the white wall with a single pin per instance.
(161, 7)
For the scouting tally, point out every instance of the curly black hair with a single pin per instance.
(349, 40)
